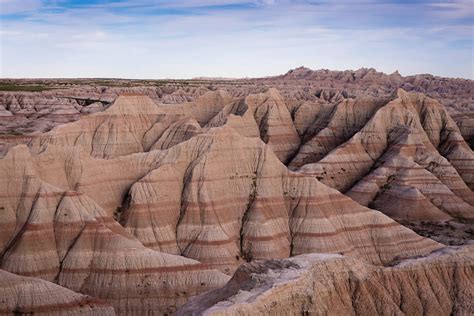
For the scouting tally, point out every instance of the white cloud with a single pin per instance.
(90, 36)
(457, 9)
(267, 2)
(19, 6)
(115, 41)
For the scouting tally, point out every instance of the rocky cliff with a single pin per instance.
(319, 284)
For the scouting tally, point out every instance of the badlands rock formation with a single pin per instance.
(64, 237)
(178, 201)
(395, 163)
(146, 202)
(321, 284)
(64, 100)
(25, 295)
(384, 153)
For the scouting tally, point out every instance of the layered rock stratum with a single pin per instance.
(56, 101)
(151, 194)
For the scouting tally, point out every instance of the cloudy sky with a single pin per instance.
(233, 38)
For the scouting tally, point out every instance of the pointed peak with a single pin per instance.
(401, 90)
(395, 74)
(273, 92)
(401, 93)
(259, 98)
(221, 95)
(132, 104)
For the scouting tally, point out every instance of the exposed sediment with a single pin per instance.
(143, 205)
(318, 284)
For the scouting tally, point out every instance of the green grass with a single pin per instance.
(107, 83)
(45, 85)
(27, 88)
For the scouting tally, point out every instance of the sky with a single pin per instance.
(144, 39)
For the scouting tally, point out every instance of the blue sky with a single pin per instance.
(233, 38)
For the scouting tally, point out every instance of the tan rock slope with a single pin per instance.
(178, 201)
(410, 153)
(131, 125)
(319, 284)
(268, 212)
(263, 115)
(325, 125)
(64, 237)
(25, 295)
(408, 160)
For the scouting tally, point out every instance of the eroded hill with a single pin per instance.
(146, 203)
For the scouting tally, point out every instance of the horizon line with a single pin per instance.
(220, 77)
